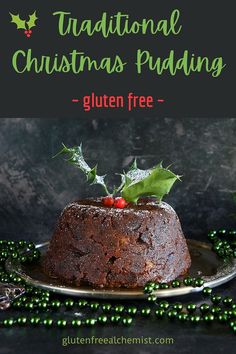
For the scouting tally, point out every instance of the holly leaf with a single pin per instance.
(32, 19)
(20, 24)
(76, 158)
(155, 182)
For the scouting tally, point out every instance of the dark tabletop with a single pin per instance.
(187, 338)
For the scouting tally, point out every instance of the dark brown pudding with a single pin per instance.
(109, 247)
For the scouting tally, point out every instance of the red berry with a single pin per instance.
(26, 32)
(108, 201)
(120, 203)
(28, 35)
(29, 31)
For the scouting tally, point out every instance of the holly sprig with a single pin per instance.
(76, 158)
(135, 183)
(154, 182)
(23, 24)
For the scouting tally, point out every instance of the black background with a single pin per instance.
(34, 188)
(207, 31)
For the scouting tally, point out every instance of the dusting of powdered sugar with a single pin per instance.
(116, 211)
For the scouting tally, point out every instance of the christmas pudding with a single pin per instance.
(122, 241)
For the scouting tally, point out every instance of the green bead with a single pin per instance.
(164, 286)
(216, 299)
(21, 320)
(209, 317)
(119, 308)
(46, 293)
(228, 301)
(29, 305)
(156, 286)
(172, 314)
(191, 307)
(164, 304)
(43, 305)
(76, 323)
(102, 319)
(222, 317)
(207, 291)
(69, 303)
(132, 310)
(152, 298)
(145, 311)
(160, 313)
(90, 321)
(115, 318)
(15, 255)
(177, 306)
(21, 244)
(198, 282)
(106, 307)
(37, 291)
(4, 279)
(35, 320)
(82, 303)
(17, 304)
(30, 246)
(8, 322)
(61, 323)
(215, 309)
(4, 255)
(23, 259)
(204, 308)
(175, 283)
(195, 318)
(148, 289)
(232, 323)
(222, 232)
(46, 299)
(55, 304)
(234, 329)
(94, 305)
(221, 253)
(48, 322)
(188, 281)
(127, 320)
(211, 235)
(217, 245)
(23, 298)
(229, 313)
(17, 280)
(150, 284)
(12, 249)
(183, 317)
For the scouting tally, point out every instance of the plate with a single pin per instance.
(205, 264)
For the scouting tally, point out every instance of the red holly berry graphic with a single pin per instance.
(120, 203)
(23, 24)
(108, 201)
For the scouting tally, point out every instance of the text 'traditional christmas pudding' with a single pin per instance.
(119, 241)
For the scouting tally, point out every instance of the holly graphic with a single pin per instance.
(23, 24)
